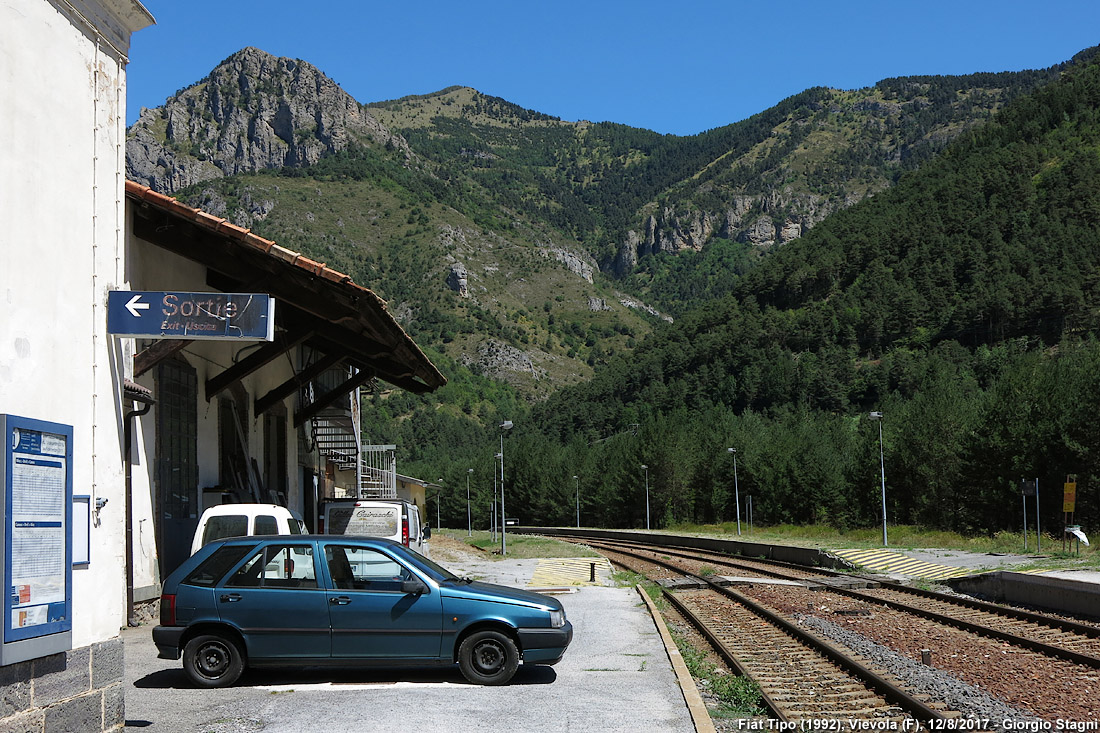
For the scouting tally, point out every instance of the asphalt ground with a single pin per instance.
(616, 676)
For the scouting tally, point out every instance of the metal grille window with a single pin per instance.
(177, 469)
(275, 456)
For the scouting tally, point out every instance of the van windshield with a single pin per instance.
(225, 525)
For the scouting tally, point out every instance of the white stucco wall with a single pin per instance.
(62, 101)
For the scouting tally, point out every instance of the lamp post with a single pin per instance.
(493, 505)
(437, 495)
(877, 417)
(578, 501)
(646, 469)
(736, 491)
(506, 425)
(469, 513)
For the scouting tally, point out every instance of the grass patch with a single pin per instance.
(522, 546)
(738, 696)
(628, 578)
(904, 537)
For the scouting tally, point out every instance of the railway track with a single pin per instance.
(802, 678)
(1051, 635)
(1027, 667)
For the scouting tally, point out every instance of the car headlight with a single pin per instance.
(557, 619)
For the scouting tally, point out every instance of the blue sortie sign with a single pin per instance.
(172, 315)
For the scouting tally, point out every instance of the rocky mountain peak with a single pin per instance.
(254, 111)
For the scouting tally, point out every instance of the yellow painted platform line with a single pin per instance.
(885, 561)
(554, 572)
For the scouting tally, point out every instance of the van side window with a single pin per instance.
(226, 525)
(293, 526)
(277, 566)
(265, 524)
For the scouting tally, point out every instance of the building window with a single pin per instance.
(275, 456)
(177, 465)
(176, 468)
(234, 468)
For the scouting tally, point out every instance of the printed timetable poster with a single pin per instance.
(38, 500)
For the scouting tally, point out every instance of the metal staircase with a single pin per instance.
(335, 430)
(336, 436)
(378, 472)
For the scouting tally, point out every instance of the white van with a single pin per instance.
(394, 519)
(239, 520)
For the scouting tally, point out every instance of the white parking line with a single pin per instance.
(354, 686)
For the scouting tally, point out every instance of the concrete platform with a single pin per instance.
(616, 676)
(1070, 591)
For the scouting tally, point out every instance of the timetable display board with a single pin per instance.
(37, 537)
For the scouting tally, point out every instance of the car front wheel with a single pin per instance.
(212, 660)
(488, 658)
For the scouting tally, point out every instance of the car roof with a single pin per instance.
(368, 502)
(245, 509)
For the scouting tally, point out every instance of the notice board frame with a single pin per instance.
(42, 519)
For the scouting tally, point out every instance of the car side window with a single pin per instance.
(362, 568)
(211, 570)
(277, 566)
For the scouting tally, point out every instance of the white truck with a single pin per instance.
(393, 519)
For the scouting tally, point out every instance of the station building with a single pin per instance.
(114, 443)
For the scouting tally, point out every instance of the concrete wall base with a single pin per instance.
(1037, 591)
(78, 690)
(797, 555)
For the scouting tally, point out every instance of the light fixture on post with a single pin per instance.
(646, 469)
(575, 478)
(469, 513)
(877, 417)
(736, 491)
(506, 425)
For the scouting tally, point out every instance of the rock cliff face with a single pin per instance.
(254, 111)
(763, 221)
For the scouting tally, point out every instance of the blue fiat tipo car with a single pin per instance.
(325, 599)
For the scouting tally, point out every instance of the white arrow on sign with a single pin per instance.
(134, 305)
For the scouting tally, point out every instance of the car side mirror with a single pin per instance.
(413, 587)
(427, 532)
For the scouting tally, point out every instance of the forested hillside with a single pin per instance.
(667, 212)
(962, 303)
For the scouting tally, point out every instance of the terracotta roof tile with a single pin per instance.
(225, 227)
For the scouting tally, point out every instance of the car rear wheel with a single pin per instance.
(212, 660)
(488, 658)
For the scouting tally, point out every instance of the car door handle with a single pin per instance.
(339, 600)
(229, 597)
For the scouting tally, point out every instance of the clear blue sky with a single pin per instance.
(674, 66)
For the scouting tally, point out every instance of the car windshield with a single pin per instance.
(435, 571)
